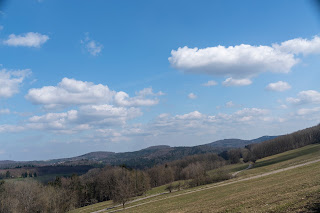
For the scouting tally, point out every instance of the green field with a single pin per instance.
(289, 191)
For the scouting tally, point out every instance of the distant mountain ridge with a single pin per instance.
(142, 158)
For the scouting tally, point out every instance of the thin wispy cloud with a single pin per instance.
(192, 96)
(210, 83)
(92, 46)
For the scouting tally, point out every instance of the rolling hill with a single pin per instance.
(143, 158)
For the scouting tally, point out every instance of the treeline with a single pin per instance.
(255, 151)
(31, 196)
(64, 194)
(109, 183)
(283, 143)
(191, 167)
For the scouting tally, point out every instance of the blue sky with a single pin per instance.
(80, 76)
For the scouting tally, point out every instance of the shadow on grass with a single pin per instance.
(286, 157)
(314, 206)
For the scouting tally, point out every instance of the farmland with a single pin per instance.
(293, 190)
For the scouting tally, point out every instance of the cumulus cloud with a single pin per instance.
(190, 116)
(300, 46)
(92, 46)
(306, 97)
(87, 117)
(192, 96)
(241, 61)
(210, 83)
(70, 92)
(107, 114)
(123, 99)
(95, 106)
(279, 86)
(30, 39)
(10, 81)
(236, 82)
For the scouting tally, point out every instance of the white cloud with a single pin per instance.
(30, 39)
(196, 123)
(10, 81)
(279, 86)
(306, 97)
(87, 117)
(70, 92)
(252, 112)
(241, 61)
(11, 128)
(190, 116)
(123, 99)
(1, 27)
(148, 91)
(305, 111)
(192, 96)
(125, 134)
(236, 82)
(300, 45)
(95, 106)
(92, 46)
(107, 114)
(210, 83)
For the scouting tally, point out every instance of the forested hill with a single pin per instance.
(238, 143)
(143, 158)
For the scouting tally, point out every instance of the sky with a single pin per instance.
(79, 76)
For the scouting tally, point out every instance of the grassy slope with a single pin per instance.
(285, 191)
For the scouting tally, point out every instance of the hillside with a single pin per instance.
(236, 143)
(287, 182)
(143, 158)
